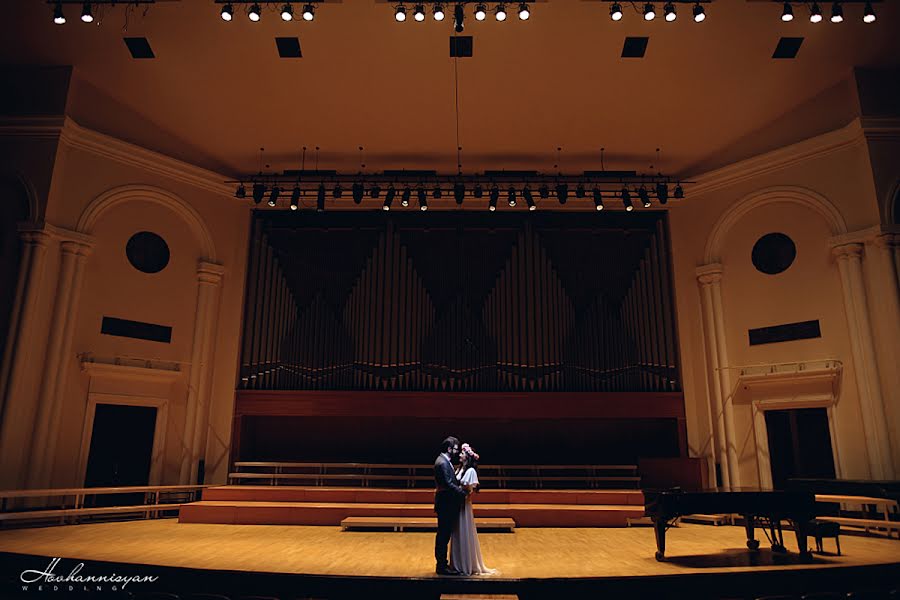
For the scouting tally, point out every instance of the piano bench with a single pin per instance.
(825, 529)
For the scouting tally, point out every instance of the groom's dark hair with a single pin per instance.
(448, 443)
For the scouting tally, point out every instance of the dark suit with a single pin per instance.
(448, 498)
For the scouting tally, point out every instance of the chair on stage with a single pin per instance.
(825, 529)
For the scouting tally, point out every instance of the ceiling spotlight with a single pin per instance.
(400, 13)
(562, 192)
(309, 12)
(255, 13)
(389, 198)
(357, 191)
(579, 190)
(436, 192)
(438, 12)
(626, 200)
(320, 198)
(404, 199)
(669, 10)
(868, 13)
(615, 11)
(500, 12)
(495, 194)
(240, 192)
(419, 13)
(524, 13)
(374, 191)
(295, 198)
(837, 13)
(227, 12)
(287, 13)
(679, 193)
(258, 191)
(511, 197)
(58, 17)
(480, 12)
(273, 196)
(544, 191)
(478, 192)
(423, 199)
(338, 191)
(788, 13)
(815, 13)
(459, 17)
(649, 12)
(699, 14)
(86, 15)
(459, 192)
(644, 196)
(529, 198)
(598, 199)
(662, 193)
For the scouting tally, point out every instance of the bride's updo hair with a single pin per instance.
(471, 457)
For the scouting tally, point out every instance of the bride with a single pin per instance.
(465, 551)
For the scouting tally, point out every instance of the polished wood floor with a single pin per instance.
(527, 553)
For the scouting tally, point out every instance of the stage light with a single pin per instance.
(436, 192)
(788, 13)
(389, 198)
(662, 193)
(699, 13)
(419, 13)
(480, 12)
(86, 15)
(529, 198)
(459, 18)
(644, 196)
(837, 13)
(544, 191)
(495, 195)
(227, 12)
(309, 12)
(524, 13)
(615, 11)
(511, 197)
(669, 10)
(295, 198)
(273, 196)
(320, 198)
(287, 13)
(58, 16)
(679, 193)
(459, 193)
(423, 199)
(255, 13)
(562, 192)
(357, 191)
(579, 190)
(815, 13)
(868, 13)
(438, 12)
(400, 14)
(626, 200)
(375, 191)
(404, 199)
(649, 12)
(338, 191)
(259, 191)
(598, 199)
(478, 192)
(240, 192)
(500, 12)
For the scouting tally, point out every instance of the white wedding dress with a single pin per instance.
(465, 551)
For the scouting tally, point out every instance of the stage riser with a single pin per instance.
(423, 496)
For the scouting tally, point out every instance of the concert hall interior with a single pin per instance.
(257, 259)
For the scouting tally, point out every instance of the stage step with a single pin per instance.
(401, 523)
(332, 513)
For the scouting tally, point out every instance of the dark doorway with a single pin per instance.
(13, 210)
(799, 444)
(121, 450)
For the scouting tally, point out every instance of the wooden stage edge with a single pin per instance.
(324, 562)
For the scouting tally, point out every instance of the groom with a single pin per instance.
(448, 496)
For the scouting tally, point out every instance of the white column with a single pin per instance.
(209, 275)
(849, 259)
(710, 277)
(17, 406)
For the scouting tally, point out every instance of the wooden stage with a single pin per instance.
(527, 557)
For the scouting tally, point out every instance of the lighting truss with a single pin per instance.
(451, 190)
(817, 12)
(284, 10)
(480, 10)
(666, 10)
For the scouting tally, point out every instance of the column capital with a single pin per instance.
(887, 240)
(708, 274)
(76, 247)
(35, 237)
(847, 250)
(209, 272)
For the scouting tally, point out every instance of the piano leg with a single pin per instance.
(752, 542)
(801, 529)
(659, 527)
(777, 535)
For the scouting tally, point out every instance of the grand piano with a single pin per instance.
(758, 506)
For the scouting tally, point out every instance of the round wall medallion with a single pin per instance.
(773, 253)
(147, 252)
